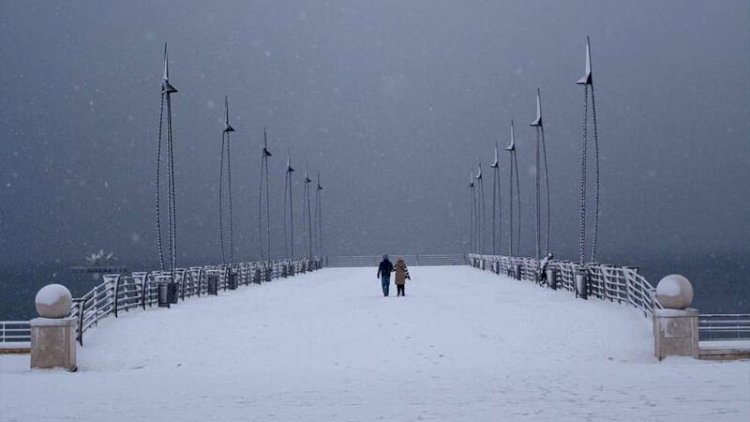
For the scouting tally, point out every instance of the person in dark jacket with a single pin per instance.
(384, 274)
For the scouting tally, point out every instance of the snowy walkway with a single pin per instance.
(464, 345)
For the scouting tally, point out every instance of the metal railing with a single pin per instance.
(123, 292)
(15, 331)
(411, 260)
(607, 282)
(724, 326)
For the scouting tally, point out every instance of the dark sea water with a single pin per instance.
(721, 283)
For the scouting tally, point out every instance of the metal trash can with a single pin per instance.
(518, 271)
(232, 281)
(582, 281)
(213, 284)
(172, 292)
(284, 271)
(269, 273)
(291, 269)
(551, 278)
(256, 276)
(163, 294)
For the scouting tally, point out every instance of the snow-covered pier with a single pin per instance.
(463, 345)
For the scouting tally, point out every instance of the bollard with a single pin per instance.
(53, 333)
(213, 284)
(676, 325)
(582, 282)
(551, 278)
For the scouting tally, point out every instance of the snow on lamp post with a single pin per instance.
(511, 148)
(588, 82)
(480, 208)
(472, 213)
(226, 146)
(307, 217)
(288, 203)
(263, 189)
(319, 216)
(497, 211)
(167, 89)
(541, 165)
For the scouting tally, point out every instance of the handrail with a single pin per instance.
(123, 292)
(15, 331)
(723, 326)
(411, 260)
(606, 282)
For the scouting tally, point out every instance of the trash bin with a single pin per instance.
(291, 269)
(269, 273)
(172, 292)
(232, 281)
(163, 295)
(518, 271)
(213, 284)
(582, 281)
(551, 278)
(256, 276)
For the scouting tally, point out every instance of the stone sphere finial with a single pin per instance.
(53, 301)
(674, 292)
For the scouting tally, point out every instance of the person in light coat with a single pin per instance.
(402, 274)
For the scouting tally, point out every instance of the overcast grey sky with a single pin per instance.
(393, 101)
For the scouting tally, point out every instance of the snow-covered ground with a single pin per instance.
(463, 345)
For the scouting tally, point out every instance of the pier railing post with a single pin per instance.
(675, 326)
(53, 333)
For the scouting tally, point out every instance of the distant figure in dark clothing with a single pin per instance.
(384, 274)
(402, 274)
(543, 269)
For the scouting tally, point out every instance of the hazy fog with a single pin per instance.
(392, 101)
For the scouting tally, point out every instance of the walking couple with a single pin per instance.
(402, 274)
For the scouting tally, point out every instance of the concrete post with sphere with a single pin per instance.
(53, 333)
(676, 325)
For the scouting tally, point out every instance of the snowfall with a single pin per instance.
(463, 345)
